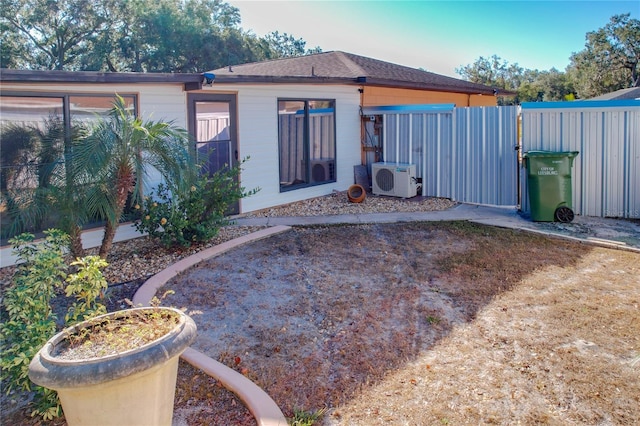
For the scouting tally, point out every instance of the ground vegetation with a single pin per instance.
(444, 323)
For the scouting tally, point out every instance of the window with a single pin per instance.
(307, 142)
(213, 135)
(36, 130)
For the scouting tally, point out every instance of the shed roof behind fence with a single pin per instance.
(624, 103)
(630, 93)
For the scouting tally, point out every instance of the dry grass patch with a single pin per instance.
(425, 323)
(562, 347)
(201, 400)
(416, 324)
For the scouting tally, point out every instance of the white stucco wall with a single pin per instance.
(258, 139)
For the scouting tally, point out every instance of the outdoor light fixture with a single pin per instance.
(208, 78)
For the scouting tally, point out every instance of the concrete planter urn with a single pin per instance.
(124, 376)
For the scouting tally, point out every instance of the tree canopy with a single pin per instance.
(198, 35)
(137, 35)
(609, 62)
(44, 34)
(610, 58)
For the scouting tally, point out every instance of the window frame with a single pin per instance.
(63, 106)
(65, 98)
(307, 141)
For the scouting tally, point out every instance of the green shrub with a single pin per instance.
(87, 285)
(306, 418)
(181, 219)
(28, 320)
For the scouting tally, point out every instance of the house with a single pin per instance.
(298, 120)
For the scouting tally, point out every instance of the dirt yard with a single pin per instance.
(420, 324)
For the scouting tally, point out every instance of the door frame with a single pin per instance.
(232, 100)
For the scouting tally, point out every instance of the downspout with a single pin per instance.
(518, 148)
(363, 133)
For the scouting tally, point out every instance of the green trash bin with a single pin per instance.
(549, 182)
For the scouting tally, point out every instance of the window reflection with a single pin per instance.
(306, 142)
(213, 140)
(34, 132)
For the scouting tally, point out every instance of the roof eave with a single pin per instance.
(190, 81)
(361, 81)
(427, 86)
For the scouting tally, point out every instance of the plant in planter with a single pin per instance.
(116, 369)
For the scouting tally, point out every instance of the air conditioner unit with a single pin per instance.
(394, 179)
(322, 170)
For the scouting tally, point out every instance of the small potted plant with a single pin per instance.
(116, 369)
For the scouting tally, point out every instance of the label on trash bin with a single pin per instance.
(547, 171)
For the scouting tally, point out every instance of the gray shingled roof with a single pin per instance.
(630, 93)
(344, 68)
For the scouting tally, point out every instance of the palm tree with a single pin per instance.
(43, 154)
(119, 153)
(38, 154)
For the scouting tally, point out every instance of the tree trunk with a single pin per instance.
(107, 240)
(123, 185)
(75, 241)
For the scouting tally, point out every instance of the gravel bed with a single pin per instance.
(338, 203)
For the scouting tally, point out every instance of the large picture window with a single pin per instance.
(36, 128)
(307, 142)
(36, 132)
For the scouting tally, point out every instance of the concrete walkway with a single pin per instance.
(492, 215)
(459, 212)
(623, 234)
(91, 238)
(614, 233)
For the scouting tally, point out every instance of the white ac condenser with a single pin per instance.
(394, 179)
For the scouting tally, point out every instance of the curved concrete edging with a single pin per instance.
(259, 403)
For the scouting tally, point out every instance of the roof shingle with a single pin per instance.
(337, 66)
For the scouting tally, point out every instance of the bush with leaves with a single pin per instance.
(87, 286)
(181, 219)
(28, 320)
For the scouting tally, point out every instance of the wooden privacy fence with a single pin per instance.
(472, 155)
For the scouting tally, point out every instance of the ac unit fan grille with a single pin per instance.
(384, 179)
(318, 173)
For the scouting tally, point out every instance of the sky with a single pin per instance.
(438, 35)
